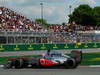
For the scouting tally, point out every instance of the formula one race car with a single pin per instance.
(50, 59)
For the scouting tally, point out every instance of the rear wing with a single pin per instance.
(77, 55)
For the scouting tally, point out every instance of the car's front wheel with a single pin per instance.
(8, 65)
(18, 63)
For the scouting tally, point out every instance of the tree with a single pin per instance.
(83, 15)
(97, 14)
(42, 22)
(63, 23)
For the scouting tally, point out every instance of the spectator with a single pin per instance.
(10, 20)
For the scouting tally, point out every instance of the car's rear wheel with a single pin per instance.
(70, 64)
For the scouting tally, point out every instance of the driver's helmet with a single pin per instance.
(43, 54)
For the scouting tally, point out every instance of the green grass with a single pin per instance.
(88, 58)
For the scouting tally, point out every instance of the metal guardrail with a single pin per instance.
(47, 37)
(35, 34)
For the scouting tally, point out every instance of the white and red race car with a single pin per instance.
(50, 59)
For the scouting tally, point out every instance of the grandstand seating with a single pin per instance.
(10, 20)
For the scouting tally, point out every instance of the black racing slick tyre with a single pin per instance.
(70, 64)
(18, 63)
(8, 65)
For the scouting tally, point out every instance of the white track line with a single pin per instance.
(79, 66)
(94, 65)
(1, 66)
(90, 66)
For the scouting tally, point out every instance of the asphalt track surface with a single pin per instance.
(78, 71)
(25, 53)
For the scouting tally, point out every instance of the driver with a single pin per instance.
(48, 52)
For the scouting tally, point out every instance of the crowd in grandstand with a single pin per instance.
(72, 27)
(11, 21)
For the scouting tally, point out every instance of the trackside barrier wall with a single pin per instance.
(32, 47)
